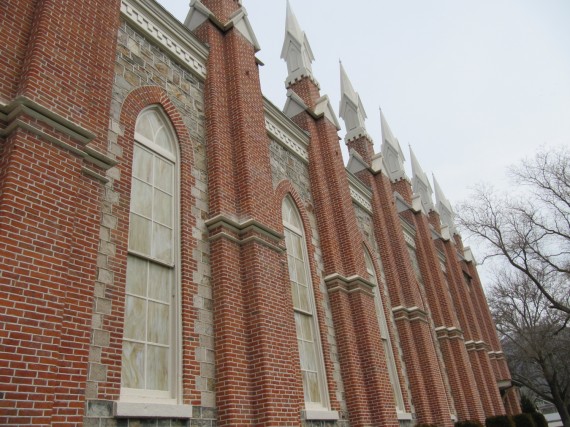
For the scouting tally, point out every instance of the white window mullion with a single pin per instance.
(149, 361)
(308, 340)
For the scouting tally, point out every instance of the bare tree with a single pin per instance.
(536, 347)
(529, 229)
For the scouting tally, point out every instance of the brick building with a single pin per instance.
(176, 250)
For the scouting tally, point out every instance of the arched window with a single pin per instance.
(388, 350)
(150, 333)
(310, 353)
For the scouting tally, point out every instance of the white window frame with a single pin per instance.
(312, 410)
(129, 397)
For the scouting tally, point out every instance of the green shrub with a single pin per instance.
(523, 420)
(426, 425)
(499, 421)
(468, 423)
(539, 419)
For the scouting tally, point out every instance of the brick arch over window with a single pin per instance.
(135, 103)
(285, 189)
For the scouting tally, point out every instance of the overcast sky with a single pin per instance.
(471, 85)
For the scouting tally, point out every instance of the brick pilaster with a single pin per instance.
(463, 298)
(363, 364)
(257, 376)
(412, 318)
(461, 379)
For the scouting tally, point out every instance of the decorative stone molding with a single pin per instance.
(360, 195)
(410, 313)
(199, 14)
(16, 115)
(496, 355)
(152, 410)
(244, 232)
(167, 33)
(444, 332)
(338, 283)
(476, 345)
(325, 108)
(285, 132)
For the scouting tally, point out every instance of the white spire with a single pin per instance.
(421, 185)
(446, 214)
(351, 108)
(391, 151)
(296, 50)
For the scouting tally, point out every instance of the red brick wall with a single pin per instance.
(49, 210)
(15, 34)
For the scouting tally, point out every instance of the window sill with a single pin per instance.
(152, 410)
(404, 416)
(320, 415)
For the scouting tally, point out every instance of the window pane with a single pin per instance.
(144, 126)
(158, 320)
(139, 234)
(157, 373)
(310, 357)
(135, 317)
(304, 301)
(133, 365)
(162, 243)
(142, 164)
(292, 269)
(162, 208)
(141, 196)
(163, 175)
(162, 139)
(305, 328)
(159, 283)
(136, 276)
(301, 272)
(298, 242)
(295, 291)
(312, 385)
(286, 212)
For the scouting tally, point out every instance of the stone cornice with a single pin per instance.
(338, 283)
(445, 332)
(476, 345)
(496, 355)
(409, 313)
(14, 116)
(167, 32)
(361, 195)
(245, 232)
(283, 130)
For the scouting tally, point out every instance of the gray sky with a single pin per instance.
(471, 85)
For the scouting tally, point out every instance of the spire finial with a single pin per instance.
(446, 214)
(351, 109)
(296, 51)
(391, 151)
(420, 184)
